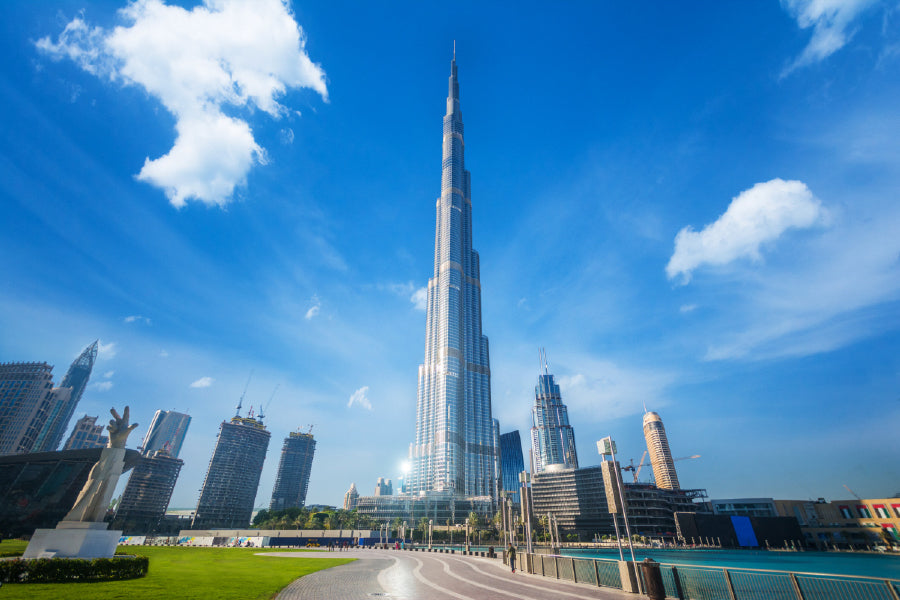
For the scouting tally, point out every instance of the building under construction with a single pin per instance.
(147, 493)
(229, 490)
(293, 471)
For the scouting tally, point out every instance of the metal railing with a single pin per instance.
(717, 583)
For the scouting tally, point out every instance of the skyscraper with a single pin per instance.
(552, 438)
(63, 406)
(660, 455)
(25, 397)
(229, 490)
(86, 434)
(454, 451)
(294, 468)
(166, 432)
(511, 463)
(147, 494)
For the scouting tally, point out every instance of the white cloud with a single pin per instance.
(108, 374)
(687, 308)
(101, 386)
(287, 136)
(419, 298)
(314, 309)
(226, 53)
(360, 397)
(203, 382)
(831, 22)
(106, 351)
(137, 318)
(755, 217)
(163, 354)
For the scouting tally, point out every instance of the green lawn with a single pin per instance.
(184, 573)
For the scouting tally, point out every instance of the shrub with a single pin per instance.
(61, 570)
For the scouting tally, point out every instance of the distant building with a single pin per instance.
(744, 507)
(439, 508)
(147, 494)
(86, 434)
(63, 405)
(846, 524)
(166, 432)
(25, 395)
(294, 468)
(660, 456)
(552, 438)
(511, 463)
(232, 480)
(351, 497)
(384, 487)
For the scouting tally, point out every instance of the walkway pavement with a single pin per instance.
(405, 575)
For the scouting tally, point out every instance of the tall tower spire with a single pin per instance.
(64, 403)
(454, 448)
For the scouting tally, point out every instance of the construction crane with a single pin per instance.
(263, 409)
(637, 469)
(854, 493)
(237, 409)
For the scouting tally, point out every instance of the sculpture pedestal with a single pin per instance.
(74, 539)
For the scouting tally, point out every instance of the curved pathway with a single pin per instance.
(406, 575)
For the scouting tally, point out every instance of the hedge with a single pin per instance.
(62, 570)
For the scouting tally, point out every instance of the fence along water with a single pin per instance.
(717, 583)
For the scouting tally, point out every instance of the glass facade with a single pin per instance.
(26, 394)
(511, 463)
(454, 450)
(166, 432)
(63, 406)
(293, 471)
(552, 438)
(660, 455)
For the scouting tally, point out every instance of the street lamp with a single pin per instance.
(612, 480)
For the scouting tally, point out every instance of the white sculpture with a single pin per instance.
(83, 533)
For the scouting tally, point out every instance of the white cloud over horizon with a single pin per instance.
(138, 318)
(755, 217)
(200, 64)
(360, 397)
(101, 386)
(203, 382)
(106, 351)
(314, 309)
(831, 22)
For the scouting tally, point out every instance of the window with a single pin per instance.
(845, 512)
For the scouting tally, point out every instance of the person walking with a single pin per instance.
(511, 552)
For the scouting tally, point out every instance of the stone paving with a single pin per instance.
(405, 575)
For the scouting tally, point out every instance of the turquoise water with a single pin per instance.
(834, 563)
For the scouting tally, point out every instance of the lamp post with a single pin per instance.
(430, 531)
(525, 479)
(604, 447)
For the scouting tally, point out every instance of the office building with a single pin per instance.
(63, 405)
(454, 451)
(25, 396)
(166, 432)
(294, 468)
(351, 497)
(232, 480)
(86, 434)
(147, 494)
(511, 463)
(552, 438)
(660, 456)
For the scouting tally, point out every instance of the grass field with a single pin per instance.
(186, 573)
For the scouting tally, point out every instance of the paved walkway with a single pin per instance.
(405, 575)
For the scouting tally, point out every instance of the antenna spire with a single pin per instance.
(454, 49)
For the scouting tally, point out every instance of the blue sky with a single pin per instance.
(690, 209)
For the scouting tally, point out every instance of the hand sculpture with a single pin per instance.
(118, 428)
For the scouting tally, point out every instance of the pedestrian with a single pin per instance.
(511, 552)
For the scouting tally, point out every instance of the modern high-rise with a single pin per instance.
(294, 468)
(25, 397)
(453, 453)
(232, 480)
(166, 432)
(147, 494)
(384, 487)
(511, 463)
(86, 434)
(660, 455)
(552, 438)
(63, 405)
